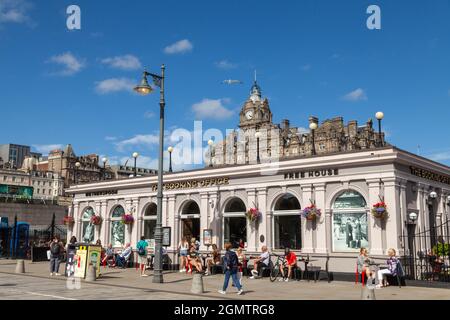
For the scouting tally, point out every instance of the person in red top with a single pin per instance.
(291, 263)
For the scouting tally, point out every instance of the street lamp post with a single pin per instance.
(313, 126)
(257, 135)
(210, 144)
(170, 150)
(135, 156)
(379, 116)
(144, 89)
(77, 166)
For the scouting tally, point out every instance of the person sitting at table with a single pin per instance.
(291, 263)
(109, 255)
(194, 260)
(363, 264)
(391, 270)
(213, 260)
(123, 257)
(261, 262)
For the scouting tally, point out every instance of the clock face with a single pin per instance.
(249, 115)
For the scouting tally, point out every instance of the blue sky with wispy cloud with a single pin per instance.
(312, 58)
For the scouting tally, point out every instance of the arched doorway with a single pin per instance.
(150, 221)
(350, 227)
(117, 227)
(235, 223)
(190, 220)
(287, 223)
(88, 229)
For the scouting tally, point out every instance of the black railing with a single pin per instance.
(427, 253)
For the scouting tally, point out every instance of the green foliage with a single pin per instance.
(441, 249)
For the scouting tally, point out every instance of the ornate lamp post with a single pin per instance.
(210, 144)
(144, 89)
(77, 166)
(257, 135)
(379, 116)
(313, 126)
(135, 156)
(170, 150)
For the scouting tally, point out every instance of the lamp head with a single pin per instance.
(135, 155)
(433, 195)
(257, 134)
(105, 160)
(170, 149)
(412, 216)
(379, 115)
(313, 126)
(77, 164)
(143, 88)
(210, 143)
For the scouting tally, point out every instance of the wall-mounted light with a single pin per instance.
(433, 195)
(211, 203)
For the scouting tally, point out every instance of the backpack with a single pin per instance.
(141, 250)
(55, 249)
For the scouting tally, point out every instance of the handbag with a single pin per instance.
(49, 254)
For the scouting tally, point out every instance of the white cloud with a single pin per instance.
(211, 109)
(46, 148)
(126, 62)
(356, 95)
(114, 85)
(440, 156)
(70, 63)
(181, 46)
(138, 140)
(225, 64)
(149, 114)
(14, 11)
(306, 67)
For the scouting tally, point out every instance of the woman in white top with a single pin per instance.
(183, 248)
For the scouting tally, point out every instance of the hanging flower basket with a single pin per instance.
(96, 220)
(68, 220)
(253, 214)
(311, 213)
(379, 210)
(127, 219)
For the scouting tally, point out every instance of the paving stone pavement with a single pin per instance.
(119, 284)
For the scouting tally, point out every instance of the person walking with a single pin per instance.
(142, 255)
(231, 270)
(56, 251)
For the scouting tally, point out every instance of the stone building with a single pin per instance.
(279, 141)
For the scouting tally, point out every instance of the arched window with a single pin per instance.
(117, 227)
(350, 229)
(88, 227)
(235, 223)
(150, 221)
(190, 220)
(287, 222)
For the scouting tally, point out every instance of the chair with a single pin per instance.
(400, 275)
(360, 277)
(216, 267)
(265, 270)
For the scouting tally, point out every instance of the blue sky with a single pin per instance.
(312, 58)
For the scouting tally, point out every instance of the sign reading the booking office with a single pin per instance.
(311, 174)
(192, 184)
(426, 174)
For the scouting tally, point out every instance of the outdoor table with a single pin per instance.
(306, 262)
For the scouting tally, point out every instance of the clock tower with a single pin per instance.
(256, 111)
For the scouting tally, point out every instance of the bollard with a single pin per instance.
(197, 284)
(368, 292)
(20, 267)
(91, 274)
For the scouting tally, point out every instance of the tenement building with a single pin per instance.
(341, 169)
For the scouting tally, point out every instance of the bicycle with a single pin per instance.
(275, 268)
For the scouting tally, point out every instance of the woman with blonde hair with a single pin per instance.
(183, 248)
(392, 263)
